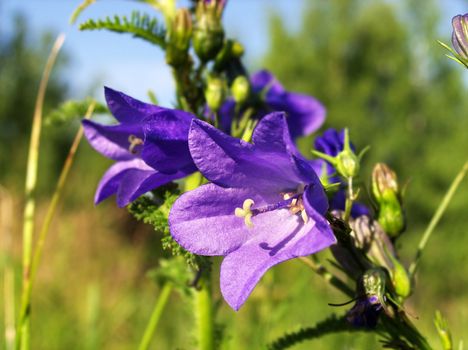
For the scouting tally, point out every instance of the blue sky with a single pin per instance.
(135, 66)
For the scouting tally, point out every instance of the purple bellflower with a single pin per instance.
(265, 204)
(304, 113)
(149, 146)
(332, 143)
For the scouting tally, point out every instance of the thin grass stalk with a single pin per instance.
(155, 316)
(6, 215)
(39, 247)
(436, 218)
(23, 332)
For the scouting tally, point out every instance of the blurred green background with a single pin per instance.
(379, 71)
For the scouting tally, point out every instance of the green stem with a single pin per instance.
(23, 333)
(205, 313)
(349, 200)
(155, 316)
(436, 218)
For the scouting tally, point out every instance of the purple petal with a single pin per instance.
(127, 109)
(110, 181)
(230, 162)
(137, 182)
(112, 140)
(130, 179)
(315, 199)
(203, 221)
(166, 140)
(305, 113)
(265, 80)
(287, 237)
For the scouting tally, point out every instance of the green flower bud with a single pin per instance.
(215, 93)
(237, 49)
(400, 279)
(384, 180)
(208, 36)
(386, 192)
(347, 162)
(179, 38)
(240, 89)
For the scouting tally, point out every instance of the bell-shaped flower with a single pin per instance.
(305, 114)
(265, 204)
(149, 145)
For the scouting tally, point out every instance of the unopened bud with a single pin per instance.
(215, 93)
(386, 192)
(400, 279)
(460, 36)
(240, 89)
(208, 36)
(347, 162)
(179, 38)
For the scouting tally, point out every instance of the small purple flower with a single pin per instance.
(460, 36)
(149, 146)
(332, 143)
(265, 204)
(304, 113)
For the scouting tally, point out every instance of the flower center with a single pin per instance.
(134, 142)
(291, 200)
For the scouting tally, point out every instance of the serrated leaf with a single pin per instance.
(139, 25)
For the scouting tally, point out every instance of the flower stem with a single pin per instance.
(23, 333)
(155, 316)
(436, 218)
(204, 311)
(349, 200)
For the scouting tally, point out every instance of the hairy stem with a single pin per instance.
(436, 218)
(23, 333)
(155, 316)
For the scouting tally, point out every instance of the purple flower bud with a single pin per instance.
(460, 36)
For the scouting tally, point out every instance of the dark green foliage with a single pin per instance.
(139, 25)
(155, 212)
(330, 325)
(72, 110)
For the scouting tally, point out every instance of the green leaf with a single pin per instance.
(139, 25)
(72, 110)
